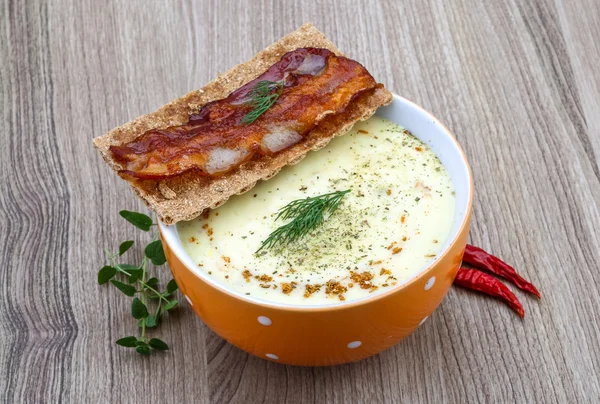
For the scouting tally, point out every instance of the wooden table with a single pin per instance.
(518, 82)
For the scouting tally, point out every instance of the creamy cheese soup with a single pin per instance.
(391, 224)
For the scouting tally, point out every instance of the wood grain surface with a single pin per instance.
(517, 81)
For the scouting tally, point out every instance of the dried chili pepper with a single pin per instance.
(481, 259)
(477, 280)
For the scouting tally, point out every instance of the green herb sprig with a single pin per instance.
(307, 214)
(136, 282)
(262, 97)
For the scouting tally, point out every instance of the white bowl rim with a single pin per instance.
(171, 237)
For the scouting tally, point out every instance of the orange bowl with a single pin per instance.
(346, 331)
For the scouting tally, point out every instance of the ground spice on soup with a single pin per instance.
(363, 279)
(287, 288)
(310, 289)
(335, 288)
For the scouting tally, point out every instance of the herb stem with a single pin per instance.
(111, 257)
(143, 293)
(141, 282)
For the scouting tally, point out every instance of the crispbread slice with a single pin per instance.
(187, 196)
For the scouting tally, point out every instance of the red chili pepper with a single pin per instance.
(477, 280)
(483, 260)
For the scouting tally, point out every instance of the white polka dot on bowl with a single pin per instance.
(266, 321)
(354, 344)
(430, 283)
(272, 356)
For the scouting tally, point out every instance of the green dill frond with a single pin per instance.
(262, 97)
(307, 214)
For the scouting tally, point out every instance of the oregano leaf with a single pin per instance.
(128, 342)
(150, 321)
(152, 282)
(135, 274)
(138, 309)
(155, 252)
(126, 289)
(143, 350)
(139, 220)
(105, 274)
(172, 286)
(158, 344)
(126, 245)
(171, 305)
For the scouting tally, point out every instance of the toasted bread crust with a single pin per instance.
(187, 196)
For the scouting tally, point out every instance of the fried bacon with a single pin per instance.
(317, 83)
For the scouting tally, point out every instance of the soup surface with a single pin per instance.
(393, 222)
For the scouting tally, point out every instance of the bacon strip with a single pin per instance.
(317, 83)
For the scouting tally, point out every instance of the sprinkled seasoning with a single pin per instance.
(385, 272)
(363, 279)
(400, 199)
(265, 278)
(310, 289)
(335, 288)
(287, 288)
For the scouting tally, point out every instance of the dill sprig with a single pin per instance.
(262, 97)
(307, 214)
